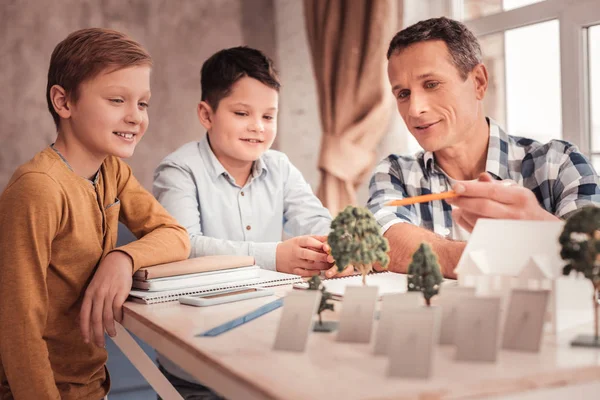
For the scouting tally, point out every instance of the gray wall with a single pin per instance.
(179, 34)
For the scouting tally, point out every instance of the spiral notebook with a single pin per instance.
(266, 278)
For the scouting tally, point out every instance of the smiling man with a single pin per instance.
(439, 82)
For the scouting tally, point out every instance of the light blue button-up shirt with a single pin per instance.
(223, 218)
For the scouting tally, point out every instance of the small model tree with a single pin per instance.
(424, 273)
(355, 239)
(580, 246)
(315, 284)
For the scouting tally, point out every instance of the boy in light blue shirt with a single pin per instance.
(233, 194)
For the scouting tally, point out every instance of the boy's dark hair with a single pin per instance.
(87, 52)
(463, 46)
(224, 68)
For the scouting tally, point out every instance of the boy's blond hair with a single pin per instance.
(87, 52)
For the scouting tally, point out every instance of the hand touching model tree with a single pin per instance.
(356, 240)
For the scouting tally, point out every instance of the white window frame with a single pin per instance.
(574, 17)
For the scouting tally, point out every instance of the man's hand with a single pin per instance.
(488, 198)
(105, 296)
(303, 255)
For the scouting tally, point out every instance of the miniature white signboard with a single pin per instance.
(358, 310)
(571, 296)
(391, 306)
(299, 308)
(525, 320)
(449, 299)
(413, 348)
(476, 333)
(496, 286)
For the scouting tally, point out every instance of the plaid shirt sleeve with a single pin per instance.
(388, 184)
(560, 176)
(576, 185)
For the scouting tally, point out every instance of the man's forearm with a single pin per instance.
(404, 240)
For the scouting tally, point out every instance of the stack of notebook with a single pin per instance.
(168, 282)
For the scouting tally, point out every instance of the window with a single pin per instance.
(479, 8)
(544, 61)
(524, 90)
(543, 58)
(594, 79)
(533, 107)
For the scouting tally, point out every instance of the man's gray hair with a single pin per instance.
(463, 46)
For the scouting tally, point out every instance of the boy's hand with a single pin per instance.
(105, 296)
(378, 268)
(333, 272)
(303, 255)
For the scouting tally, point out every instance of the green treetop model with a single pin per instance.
(580, 242)
(424, 273)
(356, 240)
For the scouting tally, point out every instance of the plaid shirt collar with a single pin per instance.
(497, 155)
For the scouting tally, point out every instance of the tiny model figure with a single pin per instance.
(315, 283)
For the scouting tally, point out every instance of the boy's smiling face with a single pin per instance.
(245, 123)
(110, 115)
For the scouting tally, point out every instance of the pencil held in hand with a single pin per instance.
(422, 199)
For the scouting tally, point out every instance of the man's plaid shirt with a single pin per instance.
(562, 179)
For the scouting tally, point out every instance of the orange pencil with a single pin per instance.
(422, 199)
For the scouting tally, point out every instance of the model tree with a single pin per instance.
(580, 246)
(315, 284)
(355, 239)
(424, 273)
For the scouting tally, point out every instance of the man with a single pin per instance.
(439, 82)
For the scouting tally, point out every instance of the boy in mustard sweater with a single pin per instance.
(62, 281)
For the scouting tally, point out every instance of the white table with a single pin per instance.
(240, 364)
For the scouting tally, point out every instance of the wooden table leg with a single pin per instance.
(144, 364)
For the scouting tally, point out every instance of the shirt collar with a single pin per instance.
(214, 166)
(217, 169)
(96, 176)
(429, 162)
(497, 154)
(259, 167)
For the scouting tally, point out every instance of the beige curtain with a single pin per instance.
(348, 41)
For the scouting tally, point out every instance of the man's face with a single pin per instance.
(438, 106)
